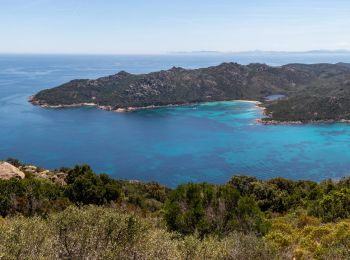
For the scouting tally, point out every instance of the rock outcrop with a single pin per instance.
(56, 177)
(8, 171)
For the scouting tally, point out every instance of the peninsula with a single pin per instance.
(312, 92)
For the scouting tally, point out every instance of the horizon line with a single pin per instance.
(181, 52)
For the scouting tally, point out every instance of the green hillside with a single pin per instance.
(312, 92)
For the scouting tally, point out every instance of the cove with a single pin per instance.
(203, 142)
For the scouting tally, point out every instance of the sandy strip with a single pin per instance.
(248, 101)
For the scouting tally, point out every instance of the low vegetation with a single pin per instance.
(92, 216)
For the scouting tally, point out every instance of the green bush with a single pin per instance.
(206, 209)
(334, 206)
(26, 238)
(86, 187)
(96, 233)
(92, 232)
(31, 196)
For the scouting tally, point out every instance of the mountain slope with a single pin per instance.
(313, 85)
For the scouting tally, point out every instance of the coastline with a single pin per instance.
(131, 109)
(276, 122)
(247, 101)
(258, 105)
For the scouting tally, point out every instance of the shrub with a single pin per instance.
(207, 209)
(96, 233)
(31, 196)
(26, 238)
(86, 187)
(335, 205)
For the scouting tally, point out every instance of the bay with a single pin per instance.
(203, 142)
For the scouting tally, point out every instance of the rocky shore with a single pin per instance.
(35, 102)
(274, 122)
(258, 104)
(13, 169)
(266, 121)
(130, 109)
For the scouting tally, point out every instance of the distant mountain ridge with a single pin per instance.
(213, 52)
(313, 92)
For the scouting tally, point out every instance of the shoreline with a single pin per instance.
(132, 109)
(276, 122)
(258, 105)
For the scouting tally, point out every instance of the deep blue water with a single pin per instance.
(207, 142)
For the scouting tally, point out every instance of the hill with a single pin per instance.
(312, 92)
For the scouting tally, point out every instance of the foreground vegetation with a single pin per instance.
(93, 216)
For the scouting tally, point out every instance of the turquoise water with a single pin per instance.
(204, 142)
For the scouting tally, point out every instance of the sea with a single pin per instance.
(207, 142)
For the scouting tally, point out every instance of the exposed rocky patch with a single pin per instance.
(9, 171)
(54, 176)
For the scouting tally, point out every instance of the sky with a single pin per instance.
(162, 26)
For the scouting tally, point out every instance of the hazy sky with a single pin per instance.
(159, 26)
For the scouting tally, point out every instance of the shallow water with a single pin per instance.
(205, 142)
(274, 97)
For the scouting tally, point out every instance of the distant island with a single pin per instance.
(311, 92)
